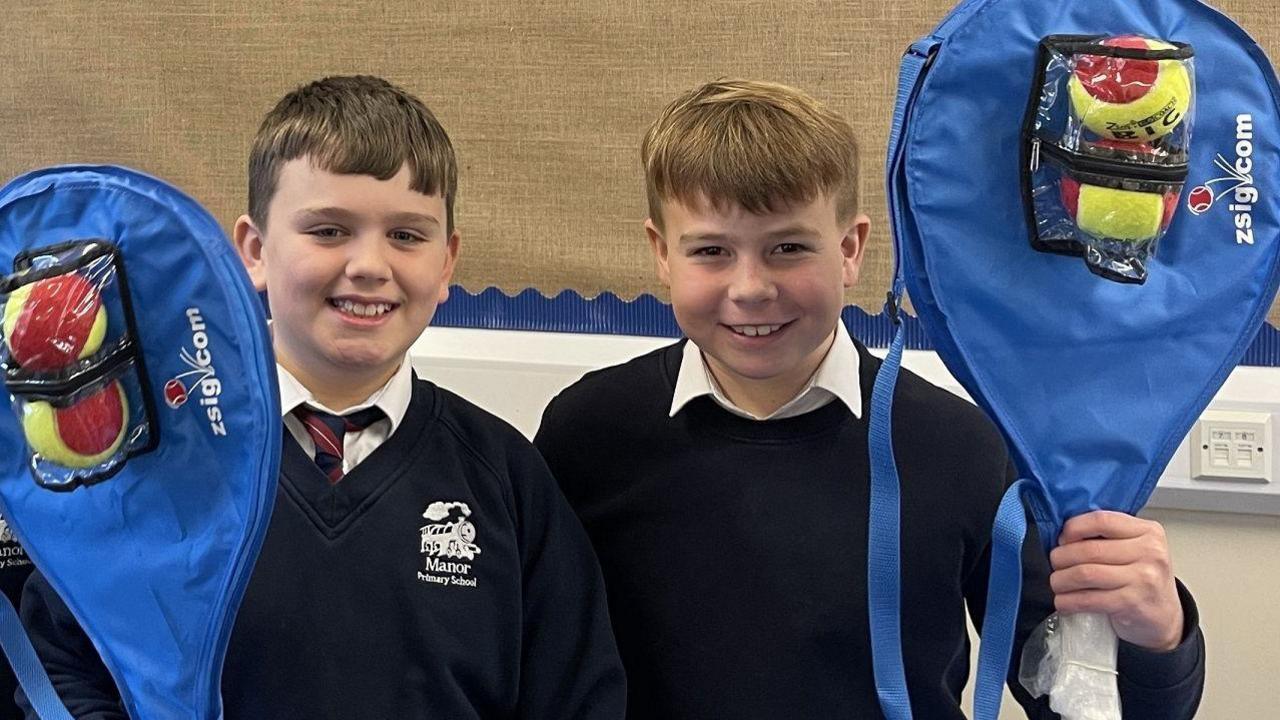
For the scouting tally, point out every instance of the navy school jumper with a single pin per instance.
(444, 577)
(735, 550)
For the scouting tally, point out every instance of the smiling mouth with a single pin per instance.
(362, 310)
(756, 330)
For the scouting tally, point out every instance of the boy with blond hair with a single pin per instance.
(724, 479)
(421, 562)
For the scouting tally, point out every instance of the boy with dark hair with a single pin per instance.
(724, 479)
(420, 560)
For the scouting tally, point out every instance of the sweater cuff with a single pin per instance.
(1156, 670)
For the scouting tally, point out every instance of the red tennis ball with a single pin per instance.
(81, 435)
(1130, 98)
(1117, 80)
(51, 323)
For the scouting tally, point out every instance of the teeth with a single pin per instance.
(362, 309)
(754, 330)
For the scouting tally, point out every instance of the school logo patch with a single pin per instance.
(448, 544)
(11, 553)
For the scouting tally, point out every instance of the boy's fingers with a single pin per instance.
(1090, 577)
(1100, 552)
(1109, 602)
(1105, 524)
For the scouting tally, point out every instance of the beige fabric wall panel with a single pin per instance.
(546, 101)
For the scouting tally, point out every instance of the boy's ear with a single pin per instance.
(852, 246)
(660, 251)
(450, 260)
(248, 241)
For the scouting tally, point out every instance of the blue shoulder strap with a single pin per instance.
(884, 585)
(1004, 596)
(26, 665)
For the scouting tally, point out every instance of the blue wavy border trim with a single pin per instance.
(607, 314)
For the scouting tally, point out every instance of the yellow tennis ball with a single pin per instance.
(81, 435)
(1130, 99)
(53, 322)
(1117, 214)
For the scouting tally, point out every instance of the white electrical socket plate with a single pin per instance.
(1232, 446)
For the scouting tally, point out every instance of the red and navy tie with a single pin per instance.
(328, 430)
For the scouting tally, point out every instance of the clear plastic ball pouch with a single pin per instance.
(71, 364)
(1106, 139)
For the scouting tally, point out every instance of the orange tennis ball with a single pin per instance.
(51, 323)
(81, 435)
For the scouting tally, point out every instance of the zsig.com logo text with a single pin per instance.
(202, 374)
(1237, 182)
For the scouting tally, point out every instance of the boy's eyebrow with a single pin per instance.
(409, 218)
(793, 231)
(790, 231)
(324, 213)
(340, 214)
(702, 237)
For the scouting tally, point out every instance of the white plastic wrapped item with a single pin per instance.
(1072, 658)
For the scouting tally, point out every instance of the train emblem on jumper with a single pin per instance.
(452, 534)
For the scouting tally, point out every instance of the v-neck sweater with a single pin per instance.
(444, 577)
(735, 550)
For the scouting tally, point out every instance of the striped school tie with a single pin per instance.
(328, 430)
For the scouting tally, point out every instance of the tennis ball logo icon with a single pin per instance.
(81, 435)
(51, 323)
(1200, 199)
(1127, 98)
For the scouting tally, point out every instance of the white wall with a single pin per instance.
(1230, 560)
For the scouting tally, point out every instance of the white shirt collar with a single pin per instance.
(392, 399)
(837, 377)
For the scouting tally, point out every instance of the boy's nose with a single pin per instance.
(752, 284)
(368, 259)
